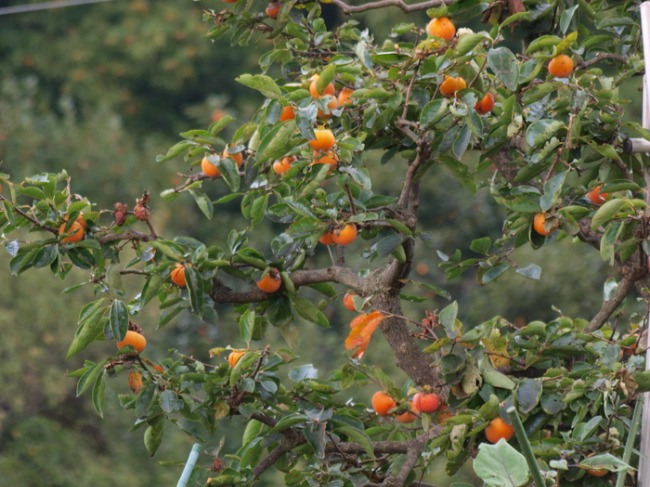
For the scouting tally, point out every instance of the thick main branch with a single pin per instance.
(404, 7)
(221, 293)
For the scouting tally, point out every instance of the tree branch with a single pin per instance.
(418, 365)
(132, 235)
(288, 444)
(413, 455)
(608, 307)
(221, 293)
(404, 7)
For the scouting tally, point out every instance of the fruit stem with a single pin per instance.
(526, 449)
(631, 437)
(189, 465)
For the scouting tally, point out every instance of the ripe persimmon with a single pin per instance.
(283, 165)
(345, 235)
(596, 197)
(441, 27)
(270, 281)
(234, 357)
(560, 66)
(485, 104)
(348, 300)
(498, 429)
(209, 169)
(287, 113)
(177, 275)
(426, 402)
(344, 96)
(597, 472)
(272, 10)
(135, 381)
(330, 157)
(238, 157)
(539, 224)
(135, 339)
(333, 104)
(75, 232)
(382, 403)
(451, 85)
(313, 88)
(328, 239)
(324, 140)
(407, 416)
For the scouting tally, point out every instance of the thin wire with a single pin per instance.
(19, 9)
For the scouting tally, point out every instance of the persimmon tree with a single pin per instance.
(337, 105)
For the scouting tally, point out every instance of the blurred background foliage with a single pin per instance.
(100, 90)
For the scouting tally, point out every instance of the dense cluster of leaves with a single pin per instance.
(546, 142)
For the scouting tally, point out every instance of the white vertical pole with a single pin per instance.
(644, 447)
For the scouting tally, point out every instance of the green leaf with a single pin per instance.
(203, 202)
(608, 242)
(386, 245)
(467, 42)
(276, 143)
(543, 42)
(153, 437)
(492, 273)
(552, 191)
(541, 131)
(309, 311)
(494, 377)
(196, 292)
(93, 371)
(262, 83)
(606, 461)
(433, 112)
(481, 245)
(91, 324)
(500, 465)
(607, 212)
(151, 288)
(175, 150)
(288, 422)
(448, 318)
(400, 227)
(247, 325)
(605, 150)
(45, 256)
(529, 393)
(230, 174)
(258, 209)
(461, 141)
(99, 393)
(505, 66)
(119, 320)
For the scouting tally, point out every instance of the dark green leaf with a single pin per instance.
(119, 320)
(203, 202)
(505, 66)
(309, 311)
(196, 292)
(99, 393)
(529, 392)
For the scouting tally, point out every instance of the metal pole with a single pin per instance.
(644, 447)
(34, 7)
